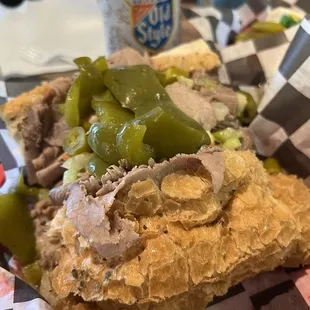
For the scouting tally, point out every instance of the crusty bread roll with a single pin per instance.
(193, 56)
(182, 259)
(33, 121)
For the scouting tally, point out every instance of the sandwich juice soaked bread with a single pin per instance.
(174, 235)
(172, 222)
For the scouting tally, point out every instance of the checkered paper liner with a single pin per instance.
(246, 63)
(280, 130)
(222, 25)
(15, 293)
(254, 62)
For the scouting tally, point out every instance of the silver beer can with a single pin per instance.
(145, 25)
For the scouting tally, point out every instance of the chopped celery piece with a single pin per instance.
(78, 162)
(70, 176)
(226, 134)
(189, 82)
(231, 144)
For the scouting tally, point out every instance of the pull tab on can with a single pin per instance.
(146, 25)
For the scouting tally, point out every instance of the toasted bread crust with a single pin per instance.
(29, 119)
(23, 102)
(179, 268)
(193, 56)
(194, 62)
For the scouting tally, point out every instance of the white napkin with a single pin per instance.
(72, 27)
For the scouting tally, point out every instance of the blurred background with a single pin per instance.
(50, 28)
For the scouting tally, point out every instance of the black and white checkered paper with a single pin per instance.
(282, 128)
(254, 62)
(246, 63)
(15, 293)
(221, 25)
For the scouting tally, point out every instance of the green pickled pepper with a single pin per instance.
(170, 75)
(105, 97)
(130, 144)
(16, 227)
(72, 113)
(109, 110)
(75, 142)
(89, 83)
(82, 61)
(169, 130)
(114, 114)
(70, 176)
(259, 30)
(169, 136)
(250, 110)
(101, 64)
(102, 140)
(22, 189)
(86, 125)
(268, 27)
(138, 89)
(250, 35)
(33, 273)
(272, 165)
(96, 166)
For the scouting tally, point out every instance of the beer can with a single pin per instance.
(145, 25)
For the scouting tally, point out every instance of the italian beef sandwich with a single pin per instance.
(175, 234)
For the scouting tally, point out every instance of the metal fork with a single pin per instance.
(40, 58)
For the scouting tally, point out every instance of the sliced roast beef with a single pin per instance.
(37, 123)
(47, 157)
(42, 214)
(60, 193)
(222, 94)
(58, 133)
(61, 87)
(193, 104)
(103, 224)
(88, 215)
(127, 57)
(229, 121)
(41, 125)
(51, 174)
